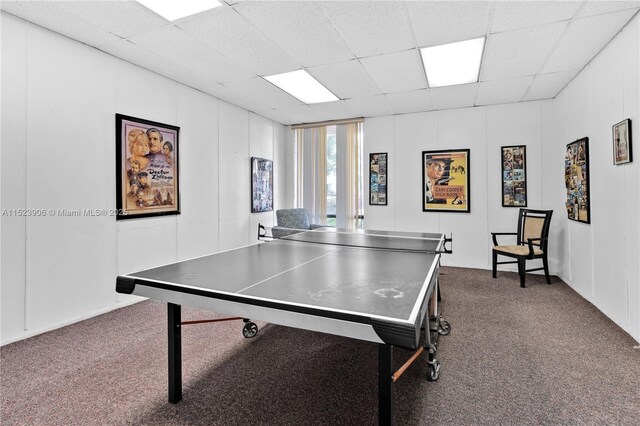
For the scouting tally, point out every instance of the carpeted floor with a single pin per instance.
(540, 355)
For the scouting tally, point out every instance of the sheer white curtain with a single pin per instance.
(311, 176)
(353, 175)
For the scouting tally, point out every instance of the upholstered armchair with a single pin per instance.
(532, 239)
(291, 221)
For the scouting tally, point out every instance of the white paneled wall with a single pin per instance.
(483, 130)
(59, 100)
(601, 260)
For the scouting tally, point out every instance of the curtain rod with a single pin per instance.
(327, 123)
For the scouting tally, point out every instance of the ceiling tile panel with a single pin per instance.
(413, 101)
(515, 15)
(584, 38)
(460, 96)
(122, 18)
(346, 79)
(597, 7)
(370, 106)
(226, 31)
(333, 110)
(264, 92)
(519, 53)
(298, 114)
(174, 44)
(502, 91)
(371, 28)
(547, 86)
(47, 15)
(396, 72)
(309, 38)
(441, 22)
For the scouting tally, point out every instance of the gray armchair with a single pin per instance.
(291, 221)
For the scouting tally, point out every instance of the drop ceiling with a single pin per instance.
(365, 52)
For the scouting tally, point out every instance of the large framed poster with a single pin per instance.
(378, 179)
(261, 185)
(514, 176)
(146, 168)
(576, 179)
(445, 181)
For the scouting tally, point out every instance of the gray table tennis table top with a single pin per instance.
(360, 277)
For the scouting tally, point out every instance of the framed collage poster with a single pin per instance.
(146, 168)
(261, 185)
(514, 176)
(576, 179)
(378, 179)
(622, 142)
(445, 181)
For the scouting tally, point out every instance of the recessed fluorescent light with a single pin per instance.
(454, 63)
(176, 9)
(301, 85)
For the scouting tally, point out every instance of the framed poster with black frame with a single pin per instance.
(146, 168)
(261, 185)
(622, 149)
(378, 163)
(514, 176)
(576, 179)
(445, 181)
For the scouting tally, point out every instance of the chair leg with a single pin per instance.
(495, 263)
(545, 262)
(521, 271)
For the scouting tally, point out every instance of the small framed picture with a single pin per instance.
(514, 176)
(261, 185)
(378, 179)
(146, 168)
(622, 142)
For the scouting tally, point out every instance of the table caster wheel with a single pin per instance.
(444, 328)
(249, 330)
(433, 371)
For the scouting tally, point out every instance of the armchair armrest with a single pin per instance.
(316, 226)
(495, 234)
(530, 243)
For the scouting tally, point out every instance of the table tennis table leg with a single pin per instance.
(385, 384)
(175, 352)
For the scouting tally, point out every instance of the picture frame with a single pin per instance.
(514, 175)
(261, 185)
(445, 181)
(378, 167)
(622, 148)
(147, 168)
(576, 176)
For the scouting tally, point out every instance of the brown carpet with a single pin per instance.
(540, 355)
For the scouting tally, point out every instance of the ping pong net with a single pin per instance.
(429, 243)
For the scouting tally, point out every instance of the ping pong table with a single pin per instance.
(376, 286)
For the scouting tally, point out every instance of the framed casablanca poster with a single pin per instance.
(147, 181)
(622, 142)
(445, 181)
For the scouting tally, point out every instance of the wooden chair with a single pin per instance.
(532, 242)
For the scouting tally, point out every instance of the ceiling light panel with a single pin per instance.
(301, 85)
(454, 63)
(172, 9)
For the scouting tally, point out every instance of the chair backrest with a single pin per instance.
(293, 218)
(534, 224)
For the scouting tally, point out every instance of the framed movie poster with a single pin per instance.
(146, 168)
(622, 142)
(261, 185)
(514, 176)
(445, 181)
(378, 179)
(576, 179)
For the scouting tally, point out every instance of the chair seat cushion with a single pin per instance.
(517, 250)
